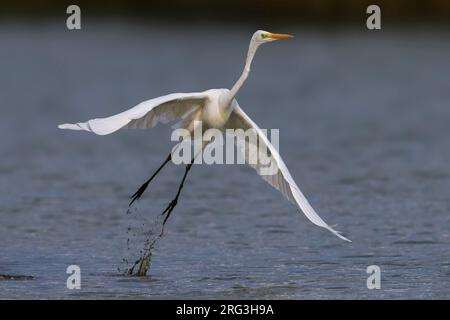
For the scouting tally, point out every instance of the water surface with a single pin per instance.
(364, 128)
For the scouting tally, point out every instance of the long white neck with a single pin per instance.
(251, 53)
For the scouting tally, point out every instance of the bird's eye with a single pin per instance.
(264, 35)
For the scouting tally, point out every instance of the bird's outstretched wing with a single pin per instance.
(280, 179)
(145, 115)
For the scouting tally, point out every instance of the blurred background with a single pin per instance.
(363, 118)
(237, 11)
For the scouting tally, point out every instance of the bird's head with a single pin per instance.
(261, 36)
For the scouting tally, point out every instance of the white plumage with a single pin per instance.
(216, 108)
(145, 115)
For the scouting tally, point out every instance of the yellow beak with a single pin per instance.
(279, 36)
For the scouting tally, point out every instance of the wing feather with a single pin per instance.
(282, 179)
(145, 115)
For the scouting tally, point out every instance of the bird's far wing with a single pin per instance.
(145, 115)
(281, 179)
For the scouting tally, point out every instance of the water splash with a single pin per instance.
(141, 266)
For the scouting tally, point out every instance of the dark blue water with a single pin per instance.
(364, 128)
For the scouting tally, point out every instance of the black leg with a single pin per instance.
(174, 202)
(141, 190)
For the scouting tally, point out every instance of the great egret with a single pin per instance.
(215, 108)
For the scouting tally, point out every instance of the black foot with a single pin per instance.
(141, 190)
(169, 209)
(138, 193)
(167, 212)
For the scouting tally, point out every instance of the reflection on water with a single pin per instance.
(364, 129)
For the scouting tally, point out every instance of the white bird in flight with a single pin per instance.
(214, 108)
